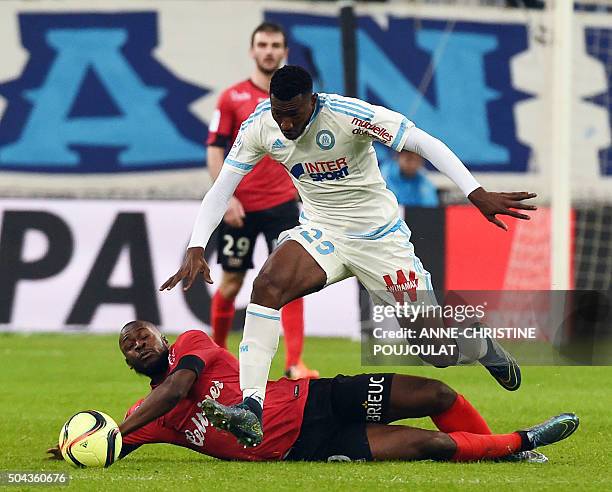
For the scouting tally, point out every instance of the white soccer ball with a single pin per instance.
(90, 438)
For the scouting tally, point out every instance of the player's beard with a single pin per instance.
(265, 70)
(153, 368)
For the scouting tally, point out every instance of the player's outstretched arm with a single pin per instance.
(211, 211)
(489, 203)
(235, 214)
(160, 401)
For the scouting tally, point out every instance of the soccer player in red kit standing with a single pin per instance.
(264, 203)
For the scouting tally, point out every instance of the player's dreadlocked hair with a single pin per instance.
(290, 81)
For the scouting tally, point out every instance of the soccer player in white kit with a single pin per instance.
(350, 225)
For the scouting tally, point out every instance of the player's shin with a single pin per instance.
(474, 447)
(221, 317)
(461, 416)
(292, 317)
(258, 346)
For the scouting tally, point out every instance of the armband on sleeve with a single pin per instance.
(191, 362)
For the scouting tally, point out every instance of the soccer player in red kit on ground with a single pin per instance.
(264, 203)
(343, 418)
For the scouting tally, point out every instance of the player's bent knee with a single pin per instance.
(439, 446)
(267, 291)
(439, 395)
(445, 395)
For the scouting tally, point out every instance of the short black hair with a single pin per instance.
(269, 27)
(136, 324)
(290, 81)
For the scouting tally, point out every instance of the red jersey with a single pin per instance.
(268, 185)
(186, 425)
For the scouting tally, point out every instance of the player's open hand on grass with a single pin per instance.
(492, 204)
(55, 453)
(193, 264)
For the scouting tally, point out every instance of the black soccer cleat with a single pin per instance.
(238, 420)
(502, 366)
(553, 430)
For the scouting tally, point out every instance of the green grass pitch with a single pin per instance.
(47, 378)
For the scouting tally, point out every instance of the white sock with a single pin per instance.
(258, 346)
(470, 349)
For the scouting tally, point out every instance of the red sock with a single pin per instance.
(472, 447)
(221, 318)
(292, 318)
(461, 416)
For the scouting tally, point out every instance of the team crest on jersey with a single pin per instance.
(325, 139)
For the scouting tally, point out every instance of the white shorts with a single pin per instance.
(384, 263)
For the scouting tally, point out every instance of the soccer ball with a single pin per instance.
(90, 438)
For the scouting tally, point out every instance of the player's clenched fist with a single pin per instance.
(193, 264)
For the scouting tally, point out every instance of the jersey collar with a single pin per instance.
(315, 113)
(257, 88)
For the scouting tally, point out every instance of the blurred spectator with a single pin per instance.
(406, 178)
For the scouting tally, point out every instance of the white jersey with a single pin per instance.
(332, 163)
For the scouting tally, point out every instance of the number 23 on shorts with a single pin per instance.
(314, 235)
